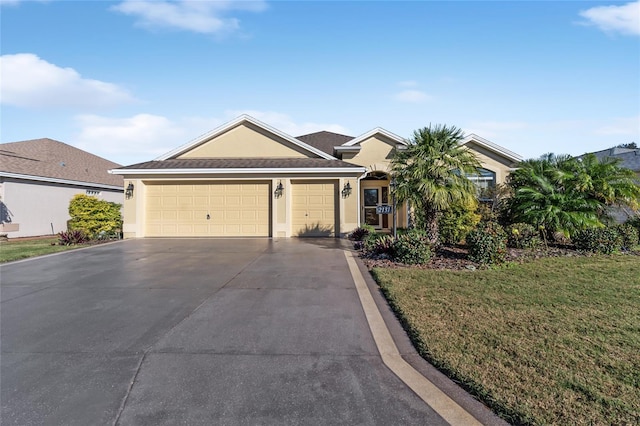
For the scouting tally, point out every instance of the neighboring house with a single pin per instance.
(247, 179)
(630, 159)
(39, 177)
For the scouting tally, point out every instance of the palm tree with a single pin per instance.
(561, 193)
(430, 174)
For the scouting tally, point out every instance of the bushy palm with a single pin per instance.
(564, 194)
(430, 174)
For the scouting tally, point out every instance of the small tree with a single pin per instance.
(430, 174)
(94, 216)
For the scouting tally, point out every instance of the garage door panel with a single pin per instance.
(234, 209)
(313, 208)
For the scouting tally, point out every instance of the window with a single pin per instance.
(485, 181)
(92, 192)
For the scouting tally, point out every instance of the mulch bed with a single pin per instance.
(454, 258)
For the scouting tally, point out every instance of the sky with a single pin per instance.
(131, 80)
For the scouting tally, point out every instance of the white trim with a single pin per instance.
(375, 131)
(237, 171)
(236, 122)
(63, 181)
(342, 148)
(490, 146)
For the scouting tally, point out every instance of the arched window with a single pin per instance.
(485, 181)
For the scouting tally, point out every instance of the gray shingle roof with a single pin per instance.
(241, 163)
(325, 141)
(629, 158)
(49, 158)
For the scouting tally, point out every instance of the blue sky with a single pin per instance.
(131, 80)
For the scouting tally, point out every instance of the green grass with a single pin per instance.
(22, 249)
(554, 341)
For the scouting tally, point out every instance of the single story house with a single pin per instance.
(39, 177)
(629, 157)
(248, 179)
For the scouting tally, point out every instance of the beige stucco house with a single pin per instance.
(247, 179)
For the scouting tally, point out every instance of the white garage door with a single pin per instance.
(314, 211)
(208, 209)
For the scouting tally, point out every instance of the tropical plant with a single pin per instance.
(565, 194)
(487, 243)
(430, 174)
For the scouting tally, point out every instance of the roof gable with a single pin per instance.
(248, 138)
(48, 158)
(484, 144)
(391, 138)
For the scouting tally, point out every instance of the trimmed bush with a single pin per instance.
(455, 223)
(598, 240)
(628, 236)
(412, 248)
(93, 216)
(487, 243)
(378, 244)
(635, 222)
(522, 236)
(71, 238)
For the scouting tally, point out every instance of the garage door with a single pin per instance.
(313, 209)
(210, 209)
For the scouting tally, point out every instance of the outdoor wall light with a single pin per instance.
(129, 191)
(279, 190)
(346, 191)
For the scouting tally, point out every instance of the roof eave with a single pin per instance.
(237, 170)
(61, 181)
(491, 146)
(377, 130)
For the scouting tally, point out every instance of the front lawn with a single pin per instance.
(22, 249)
(551, 341)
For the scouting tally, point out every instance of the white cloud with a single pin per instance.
(413, 96)
(624, 19)
(29, 81)
(205, 17)
(128, 140)
(625, 126)
(285, 123)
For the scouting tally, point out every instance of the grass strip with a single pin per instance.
(23, 249)
(553, 341)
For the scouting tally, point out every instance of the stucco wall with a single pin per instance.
(39, 206)
(375, 153)
(246, 141)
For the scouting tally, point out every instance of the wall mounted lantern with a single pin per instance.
(128, 193)
(346, 191)
(279, 190)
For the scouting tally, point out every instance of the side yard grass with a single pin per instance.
(22, 249)
(552, 341)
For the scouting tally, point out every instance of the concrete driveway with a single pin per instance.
(198, 331)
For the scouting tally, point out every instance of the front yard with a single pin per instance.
(550, 341)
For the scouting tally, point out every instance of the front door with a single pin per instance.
(374, 197)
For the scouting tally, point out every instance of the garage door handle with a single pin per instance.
(208, 216)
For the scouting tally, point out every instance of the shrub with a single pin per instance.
(628, 236)
(598, 240)
(93, 216)
(378, 244)
(455, 223)
(523, 236)
(487, 243)
(71, 238)
(360, 232)
(412, 248)
(635, 222)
